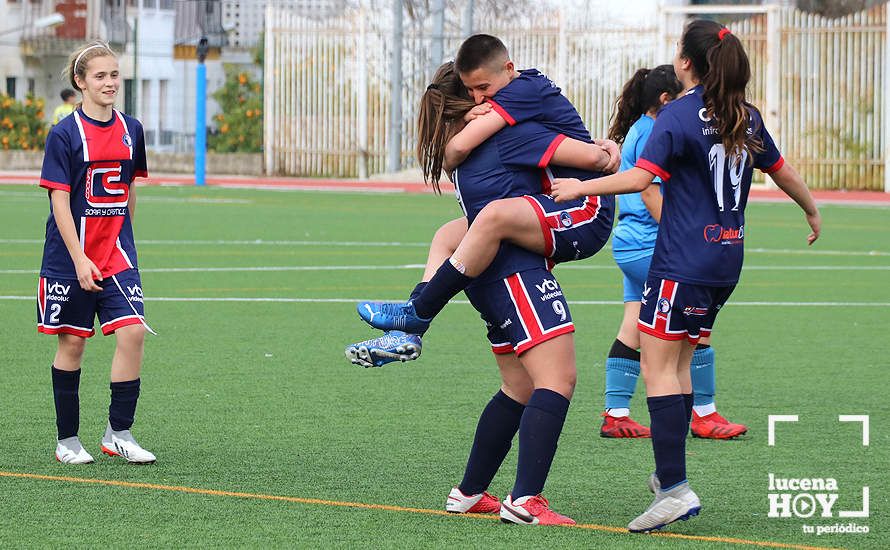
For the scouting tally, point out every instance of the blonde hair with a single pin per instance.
(81, 57)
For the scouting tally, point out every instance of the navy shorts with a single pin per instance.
(522, 310)
(675, 311)
(64, 307)
(571, 232)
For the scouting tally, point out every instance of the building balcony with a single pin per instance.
(84, 20)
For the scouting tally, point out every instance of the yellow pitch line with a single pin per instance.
(387, 507)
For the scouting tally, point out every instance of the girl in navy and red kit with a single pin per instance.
(89, 259)
(704, 147)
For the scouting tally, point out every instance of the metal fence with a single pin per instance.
(819, 82)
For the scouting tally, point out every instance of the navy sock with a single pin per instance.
(688, 400)
(669, 426)
(66, 397)
(445, 285)
(122, 410)
(417, 290)
(498, 424)
(539, 432)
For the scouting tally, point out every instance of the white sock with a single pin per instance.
(619, 413)
(705, 410)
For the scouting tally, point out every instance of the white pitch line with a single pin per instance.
(194, 200)
(465, 302)
(236, 269)
(248, 269)
(255, 242)
(262, 242)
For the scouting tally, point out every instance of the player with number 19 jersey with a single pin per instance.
(95, 162)
(701, 242)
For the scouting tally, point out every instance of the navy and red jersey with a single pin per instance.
(508, 164)
(96, 163)
(531, 96)
(702, 229)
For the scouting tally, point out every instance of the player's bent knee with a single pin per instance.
(496, 216)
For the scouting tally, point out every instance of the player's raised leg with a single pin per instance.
(509, 219)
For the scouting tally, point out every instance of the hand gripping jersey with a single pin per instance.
(96, 162)
(700, 240)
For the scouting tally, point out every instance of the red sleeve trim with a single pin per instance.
(55, 185)
(775, 167)
(551, 150)
(503, 112)
(654, 168)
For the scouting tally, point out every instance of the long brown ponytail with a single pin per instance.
(442, 108)
(640, 94)
(721, 65)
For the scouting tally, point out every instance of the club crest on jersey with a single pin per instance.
(128, 141)
(104, 188)
(664, 305)
(565, 219)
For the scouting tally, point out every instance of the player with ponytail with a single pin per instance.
(704, 146)
(89, 266)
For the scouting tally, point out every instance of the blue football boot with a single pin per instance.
(392, 346)
(393, 316)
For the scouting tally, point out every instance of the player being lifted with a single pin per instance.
(89, 258)
(527, 317)
(704, 147)
(561, 233)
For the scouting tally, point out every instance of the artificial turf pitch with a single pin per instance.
(251, 397)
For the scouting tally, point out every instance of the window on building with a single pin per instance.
(32, 86)
(10, 86)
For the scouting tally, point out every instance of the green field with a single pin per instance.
(253, 395)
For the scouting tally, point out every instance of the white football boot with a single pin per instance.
(70, 451)
(121, 443)
(678, 503)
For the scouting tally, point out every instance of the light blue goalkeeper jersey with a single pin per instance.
(634, 235)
